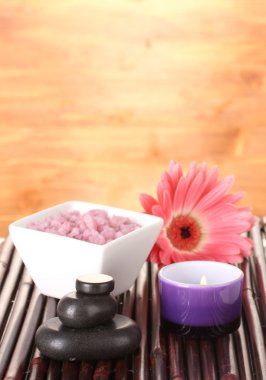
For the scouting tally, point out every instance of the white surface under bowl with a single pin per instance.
(55, 261)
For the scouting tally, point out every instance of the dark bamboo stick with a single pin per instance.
(6, 252)
(85, 371)
(176, 357)
(39, 364)
(122, 365)
(38, 368)
(141, 366)
(21, 355)
(70, 370)
(15, 320)
(254, 326)
(158, 354)
(54, 370)
(122, 369)
(226, 358)
(260, 265)
(193, 359)
(255, 289)
(242, 352)
(102, 370)
(9, 288)
(208, 362)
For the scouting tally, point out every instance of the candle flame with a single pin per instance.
(203, 280)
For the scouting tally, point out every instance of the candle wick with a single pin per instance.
(203, 280)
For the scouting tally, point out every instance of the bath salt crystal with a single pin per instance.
(74, 232)
(117, 221)
(100, 213)
(85, 235)
(96, 238)
(63, 231)
(89, 221)
(118, 234)
(94, 226)
(108, 233)
(55, 223)
(126, 228)
(81, 226)
(100, 221)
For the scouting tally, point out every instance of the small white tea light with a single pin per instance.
(201, 298)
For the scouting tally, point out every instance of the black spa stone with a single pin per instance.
(87, 327)
(93, 284)
(113, 340)
(78, 310)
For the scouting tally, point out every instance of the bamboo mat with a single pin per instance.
(162, 355)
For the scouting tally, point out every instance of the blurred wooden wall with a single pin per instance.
(97, 96)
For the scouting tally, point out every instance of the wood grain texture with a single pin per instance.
(97, 96)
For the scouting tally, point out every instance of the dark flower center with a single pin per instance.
(184, 232)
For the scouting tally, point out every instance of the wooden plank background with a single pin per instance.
(97, 96)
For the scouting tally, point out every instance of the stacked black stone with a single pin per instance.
(87, 326)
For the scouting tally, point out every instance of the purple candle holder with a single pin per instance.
(201, 298)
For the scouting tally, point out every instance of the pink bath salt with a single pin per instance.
(44, 224)
(89, 221)
(96, 212)
(85, 235)
(96, 238)
(126, 228)
(61, 219)
(99, 216)
(108, 233)
(74, 232)
(63, 230)
(71, 216)
(55, 223)
(100, 220)
(118, 234)
(81, 226)
(39, 226)
(117, 221)
(94, 226)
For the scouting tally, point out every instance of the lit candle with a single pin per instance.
(201, 298)
(203, 280)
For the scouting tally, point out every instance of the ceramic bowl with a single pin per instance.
(55, 261)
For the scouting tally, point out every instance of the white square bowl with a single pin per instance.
(54, 262)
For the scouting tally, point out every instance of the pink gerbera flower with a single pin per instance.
(201, 220)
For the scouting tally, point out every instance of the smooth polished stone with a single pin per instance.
(77, 310)
(115, 339)
(93, 284)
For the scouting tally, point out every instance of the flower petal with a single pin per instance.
(215, 194)
(211, 179)
(147, 202)
(233, 198)
(154, 254)
(167, 205)
(175, 172)
(194, 192)
(166, 183)
(157, 211)
(166, 257)
(179, 195)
